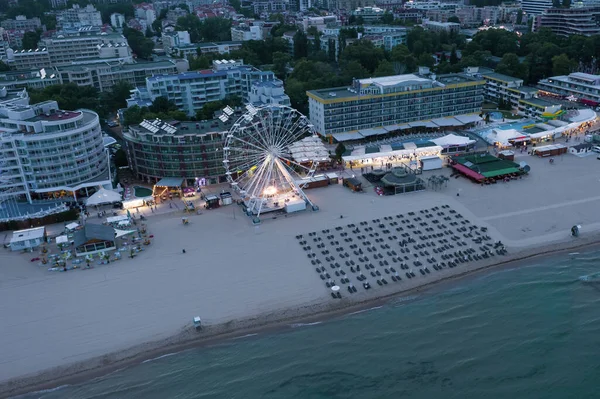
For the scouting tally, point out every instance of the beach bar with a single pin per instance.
(485, 168)
(94, 238)
(27, 239)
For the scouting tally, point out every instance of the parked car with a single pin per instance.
(596, 148)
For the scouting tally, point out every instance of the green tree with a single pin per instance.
(339, 151)
(387, 18)
(121, 158)
(31, 40)
(511, 66)
(519, 17)
(353, 70)
(365, 53)
(385, 68)
(134, 115)
(4, 67)
(454, 18)
(162, 104)
(300, 45)
(216, 29)
(280, 62)
(562, 65)
(425, 60)
(140, 45)
(453, 56)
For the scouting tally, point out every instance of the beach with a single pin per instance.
(240, 278)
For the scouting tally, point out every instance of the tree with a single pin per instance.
(454, 18)
(425, 60)
(339, 151)
(162, 104)
(121, 158)
(562, 65)
(69, 96)
(4, 67)
(402, 55)
(300, 45)
(280, 62)
(566, 3)
(365, 53)
(140, 45)
(353, 70)
(387, 18)
(511, 66)
(30, 40)
(453, 56)
(556, 3)
(134, 115)
(385, 68)
(216, 29)
(519, 17)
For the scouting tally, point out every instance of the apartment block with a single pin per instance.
(191, 90)
(507, 89)
(392, 100)
(244, 33)
(582, 86)
(77, 16)
(47, 151)
(23, 23)
(570, 21)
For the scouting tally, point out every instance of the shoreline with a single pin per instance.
(277, 321)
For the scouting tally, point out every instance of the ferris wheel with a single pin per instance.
(257, 159)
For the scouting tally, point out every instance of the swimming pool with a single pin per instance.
(142, 192)
(515, 125)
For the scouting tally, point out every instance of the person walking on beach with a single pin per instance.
(183, 250)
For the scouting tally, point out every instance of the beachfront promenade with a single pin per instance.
(232, 270)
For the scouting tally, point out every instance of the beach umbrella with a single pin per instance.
(335, 288)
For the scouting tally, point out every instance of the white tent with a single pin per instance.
(72, 226)
(502, 136)
(452, 140)
(62, 240)
(121, 233)
(103, 196)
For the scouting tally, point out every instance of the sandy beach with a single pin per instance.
(61, 327)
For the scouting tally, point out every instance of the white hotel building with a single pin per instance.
(46, 152)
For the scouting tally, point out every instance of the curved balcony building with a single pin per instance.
(190, 150)
(47, 152)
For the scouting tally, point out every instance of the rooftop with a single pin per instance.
(57, 116)
(177, 128)
(393, 80)
(501, 77)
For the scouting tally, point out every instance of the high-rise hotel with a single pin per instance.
(394, 100)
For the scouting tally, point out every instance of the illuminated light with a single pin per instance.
(271, 190)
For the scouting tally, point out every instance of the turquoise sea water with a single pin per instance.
(531, 332)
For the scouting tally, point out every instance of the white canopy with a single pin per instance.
(103, 196)
(502, 136)
(121, 233)
(309, 149)
(452, 140)
(72, 226)
(115, 219)
(62, 239)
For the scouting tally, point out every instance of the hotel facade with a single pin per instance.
(393, 100)
(46, 152)
(189, 150)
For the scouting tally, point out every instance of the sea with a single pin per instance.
(532, 331)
